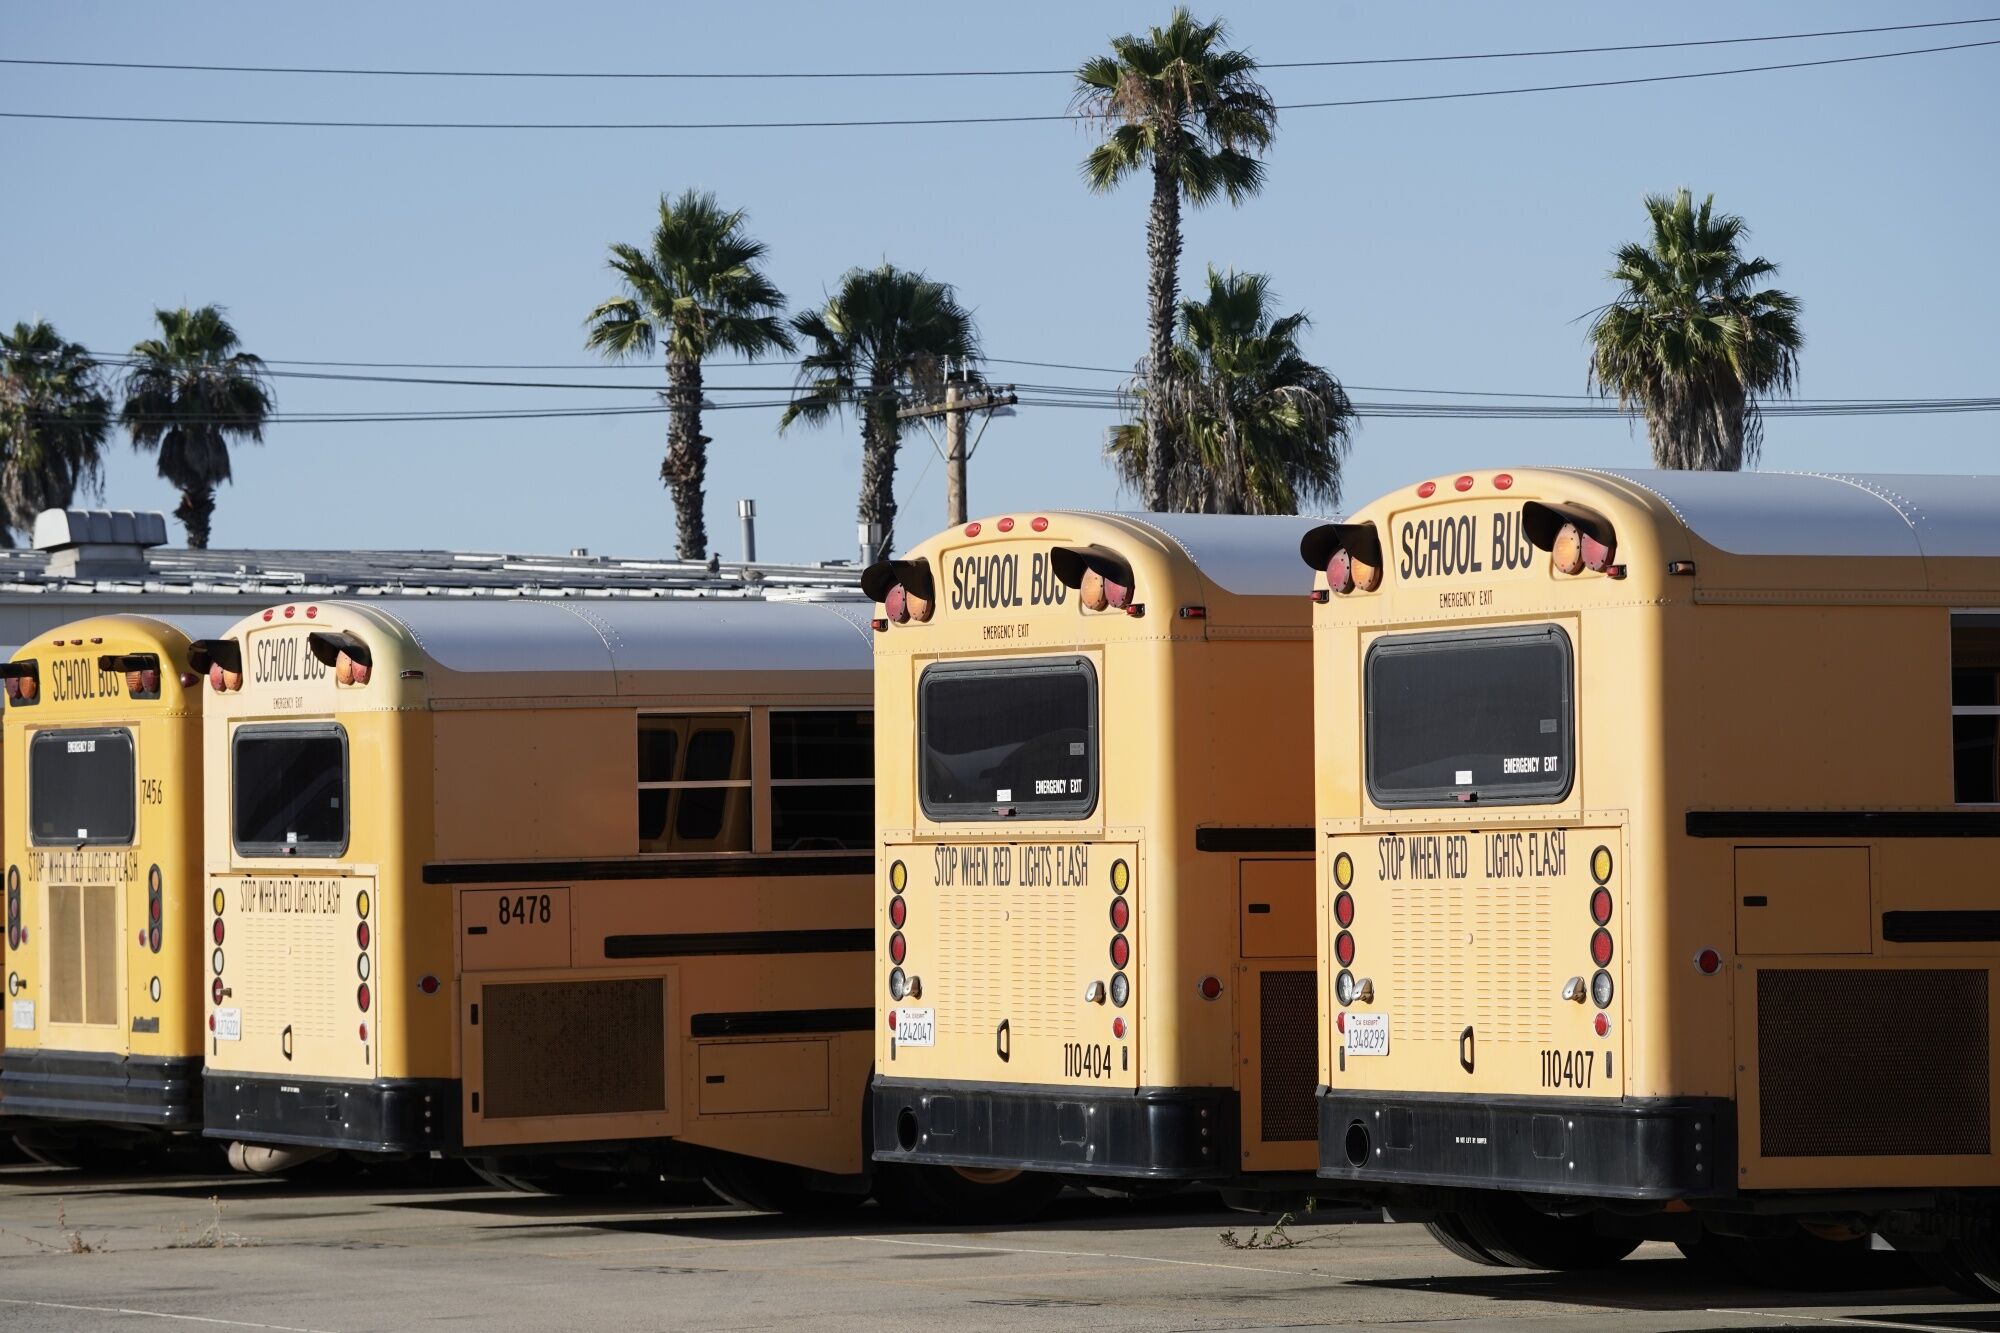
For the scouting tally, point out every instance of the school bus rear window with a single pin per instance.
(1008, 738)
(1482, 716)
(81, 787)
(289, 790)
(1975, 708)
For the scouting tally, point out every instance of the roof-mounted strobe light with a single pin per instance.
(1101, 577)
(1575, 538)
(903, 587)
(221, 660)
(349, 657)
(1350, 553)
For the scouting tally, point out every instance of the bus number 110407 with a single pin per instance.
(1084, 1060)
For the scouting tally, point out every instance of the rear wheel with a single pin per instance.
(1450, 1231)
(965, 1194)
(1970, 1267)
(1521, 1236)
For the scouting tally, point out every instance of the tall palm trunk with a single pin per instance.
(878, 467)
(685, 467)
(195, 511)
(1163, 252)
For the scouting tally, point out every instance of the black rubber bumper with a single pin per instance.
(1154, 1133)
(417, 1115)
(157, 1092)
(1628, 1149)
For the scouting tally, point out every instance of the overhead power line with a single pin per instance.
(373, 72)
(884, 122)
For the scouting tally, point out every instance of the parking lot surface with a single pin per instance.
(87, 1252)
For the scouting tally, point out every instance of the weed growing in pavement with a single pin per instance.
(212, 1236)
(72, 1240)
(1276, 1238)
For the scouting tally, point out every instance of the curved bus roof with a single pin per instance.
(1250, 555)
(1829, 513)
(139, 623)
(596, 649)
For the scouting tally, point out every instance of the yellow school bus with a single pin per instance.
(1094, 869)
(549, 885)
(103, 886)
(1657, 891)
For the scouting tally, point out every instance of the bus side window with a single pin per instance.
(1975, 708)
(822, 779)
(694, 782)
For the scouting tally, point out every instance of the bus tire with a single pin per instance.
(1450, 1231)
(1969, 1267)
(964, 1194)
(774, 1187)
(1519, 1235)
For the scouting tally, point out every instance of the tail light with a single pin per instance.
(898, 948)
(362, 997)
(361, 936)
(1121, 914)
(1600, 905)
(1343, 949)
(1600, 947)
(215, 993)
(1343, 909)
(218, 930)
(1121, 952)
(899, 911)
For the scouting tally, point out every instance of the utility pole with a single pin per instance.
(954, 409)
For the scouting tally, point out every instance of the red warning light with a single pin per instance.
(1427, 490)
(1005, 525)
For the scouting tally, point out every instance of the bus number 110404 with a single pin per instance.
(1084, 1060)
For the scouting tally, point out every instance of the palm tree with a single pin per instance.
(1265, 427)
(1179, 102)
(884, 332)
(697, 288)
(1692, 338)
(54, 419)
(188, 392)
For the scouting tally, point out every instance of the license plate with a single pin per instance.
(24, 1015)
(1367, 1034)
(916, 1027)
(229, 1025)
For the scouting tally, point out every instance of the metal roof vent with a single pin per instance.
(99, 543)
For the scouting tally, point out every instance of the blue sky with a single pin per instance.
(1444, 245)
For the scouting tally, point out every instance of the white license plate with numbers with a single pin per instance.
(229, 1025)
(916, 1027)
(1367, 1034)
(24, 1015)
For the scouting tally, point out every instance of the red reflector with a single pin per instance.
(892, 1020)
(1343, 949)
(218, 930)
(1600, 947)
(898, 947)
(1602, 1024)
(211, 1022)
(899, 912)
(1121, 913)
(361, 996)
(972, 529)
(364, 1032)
(1427, 490)
(1343, 909)
(1040, 525)
(429, 985)
(1121, 952)
(1194, 613)
(1118, 1027)
(878, 624)
(1708, 962)
(1210, 987)
(1005, 525)
(1462, 484)
(1600, 907)
(1503, 482)
(1340, 1021)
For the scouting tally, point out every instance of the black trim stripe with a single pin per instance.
(1941, 927)
(776, 865)
(1253, 840)
(1843, 823)
(769, 1022)
(720, 943)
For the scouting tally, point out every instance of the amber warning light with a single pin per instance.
(904, 588)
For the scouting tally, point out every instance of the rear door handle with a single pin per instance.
(1003, 1040)
(285, 1041)
(1465, 1049)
